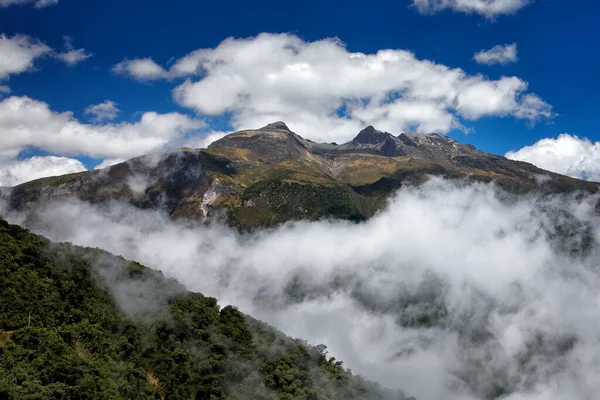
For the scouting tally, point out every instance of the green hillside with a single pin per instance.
(79, 323)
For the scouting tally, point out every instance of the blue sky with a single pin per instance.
(556, 43)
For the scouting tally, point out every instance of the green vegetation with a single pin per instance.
(274, 201)
(80, 323)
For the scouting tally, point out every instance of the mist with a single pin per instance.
(452, 291)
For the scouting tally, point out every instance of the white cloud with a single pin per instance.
(105, 111)
(36, 3)
(4, 89)
(567, 155)
(326, 93)
(501, 97)
(323, 92)
(17, 54)
(72, 56)
(144, 69)
(17, 172)
(500, 54)
(488, 8)
(444, 280)
(25, 122)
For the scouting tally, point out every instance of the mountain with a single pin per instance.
(80, 323)
(267, 176)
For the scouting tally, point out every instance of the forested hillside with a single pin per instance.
(78, 323)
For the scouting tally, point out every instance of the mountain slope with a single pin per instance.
(271, 175)
(79, 323)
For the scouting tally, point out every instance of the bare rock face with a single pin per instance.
(271, 175)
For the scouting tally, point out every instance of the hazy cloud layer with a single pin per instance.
(567, 154)
(500, 54)
(450, 293)
(488, 8)
(328, 94)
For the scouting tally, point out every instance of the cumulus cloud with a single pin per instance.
(17, 172)
(36, 3)
(328, 94)
(105, 111)
(502, 97)
(566, 154)
(18, 53)
(488, 8)
(449, 293)
(500, 54)
(143, 69)
(26, 122)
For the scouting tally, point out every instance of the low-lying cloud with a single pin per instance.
(452, 291)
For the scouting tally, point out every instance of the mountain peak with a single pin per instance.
(370, 135)
(276, 125)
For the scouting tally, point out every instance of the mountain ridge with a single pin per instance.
(267, 176)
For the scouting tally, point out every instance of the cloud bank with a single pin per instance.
(326, 93)
(567, 155)
(451, 292)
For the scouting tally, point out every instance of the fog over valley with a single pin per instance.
(452, 291)
(384, 200)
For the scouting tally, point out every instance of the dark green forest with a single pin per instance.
(79, 323)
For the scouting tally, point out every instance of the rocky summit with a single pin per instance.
(263, 177)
